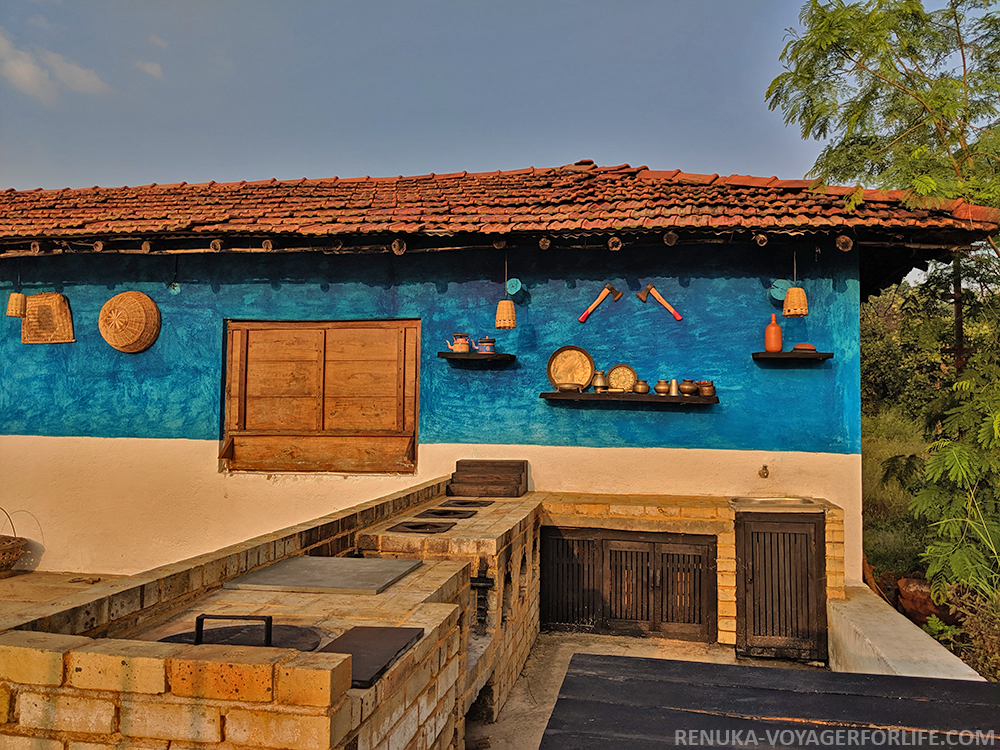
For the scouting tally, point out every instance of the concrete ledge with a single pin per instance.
(866, 635)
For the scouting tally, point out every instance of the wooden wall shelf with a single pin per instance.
(630, 398)
(815, 356)
(477, 357)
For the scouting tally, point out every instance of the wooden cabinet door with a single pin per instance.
(628, 585)
(781, 585)
(629, 582)
(571, 579)
(686, 592)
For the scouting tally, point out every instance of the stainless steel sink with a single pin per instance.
(774, 501)
(777, 505)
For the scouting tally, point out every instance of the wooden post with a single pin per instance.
(956, 276)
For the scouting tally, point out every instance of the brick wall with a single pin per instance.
(103, 694)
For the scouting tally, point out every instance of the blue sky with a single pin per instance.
(115, 92)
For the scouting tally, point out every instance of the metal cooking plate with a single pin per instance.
(463, 502)
(421, 527)
(446, 513)
(328, 575)
(282, 636)
(373, 650)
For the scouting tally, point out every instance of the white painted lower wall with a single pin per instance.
(124, 505)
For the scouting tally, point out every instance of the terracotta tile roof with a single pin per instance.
(576, 198)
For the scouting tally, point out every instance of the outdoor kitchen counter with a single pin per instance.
(500, 545)
(486, 533)
(433, 582)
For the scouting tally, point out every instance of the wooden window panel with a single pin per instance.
(322, 396)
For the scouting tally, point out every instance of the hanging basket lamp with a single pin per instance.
(506, 315)
(17, 305)
(796, 305)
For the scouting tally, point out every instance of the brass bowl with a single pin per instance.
(569, 387)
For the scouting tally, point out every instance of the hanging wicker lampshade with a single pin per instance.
(796, 305)
(17, 305)
(506, 315)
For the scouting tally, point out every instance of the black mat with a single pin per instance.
(373, 650)
(611, 702)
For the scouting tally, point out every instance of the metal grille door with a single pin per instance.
(781, 586)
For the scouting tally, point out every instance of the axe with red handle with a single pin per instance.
(650, 289)
(608, 289)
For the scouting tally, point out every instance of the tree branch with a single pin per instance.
(912, 94)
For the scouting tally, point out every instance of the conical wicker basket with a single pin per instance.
(17, 305)
(130, 322)
(47, 320)
(506, 315)
(796, 305)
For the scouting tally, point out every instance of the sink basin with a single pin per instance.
(774, 501)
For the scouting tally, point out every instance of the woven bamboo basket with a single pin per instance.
(17, 305)
(130, 322)
(47, 320)
(11, 548)
(506, 315)
(796, 305)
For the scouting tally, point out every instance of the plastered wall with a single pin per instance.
(109, 460)
(122, 505)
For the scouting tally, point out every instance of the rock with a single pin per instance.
(915, 599)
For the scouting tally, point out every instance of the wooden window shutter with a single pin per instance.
(337, 396)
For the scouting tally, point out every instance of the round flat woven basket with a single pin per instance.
(130, 322)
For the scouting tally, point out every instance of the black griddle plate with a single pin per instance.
(282, 636)
(466, 502)
(446, 513)
(421, 527)
(373, 650)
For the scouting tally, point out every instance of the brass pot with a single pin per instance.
(641, 386)
(687, 387)
(600, 382)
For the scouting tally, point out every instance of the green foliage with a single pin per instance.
(981, 633)
(904, 97)
(893, 538)
(950, 635)
(960, 496)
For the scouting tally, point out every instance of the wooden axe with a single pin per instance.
(608, 289)
(650, 289)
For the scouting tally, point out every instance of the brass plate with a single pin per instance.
(622, 376)
(570, 365)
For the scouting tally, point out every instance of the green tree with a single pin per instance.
(906, 98)
(909, 98)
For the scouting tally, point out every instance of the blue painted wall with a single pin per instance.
(173, 389)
